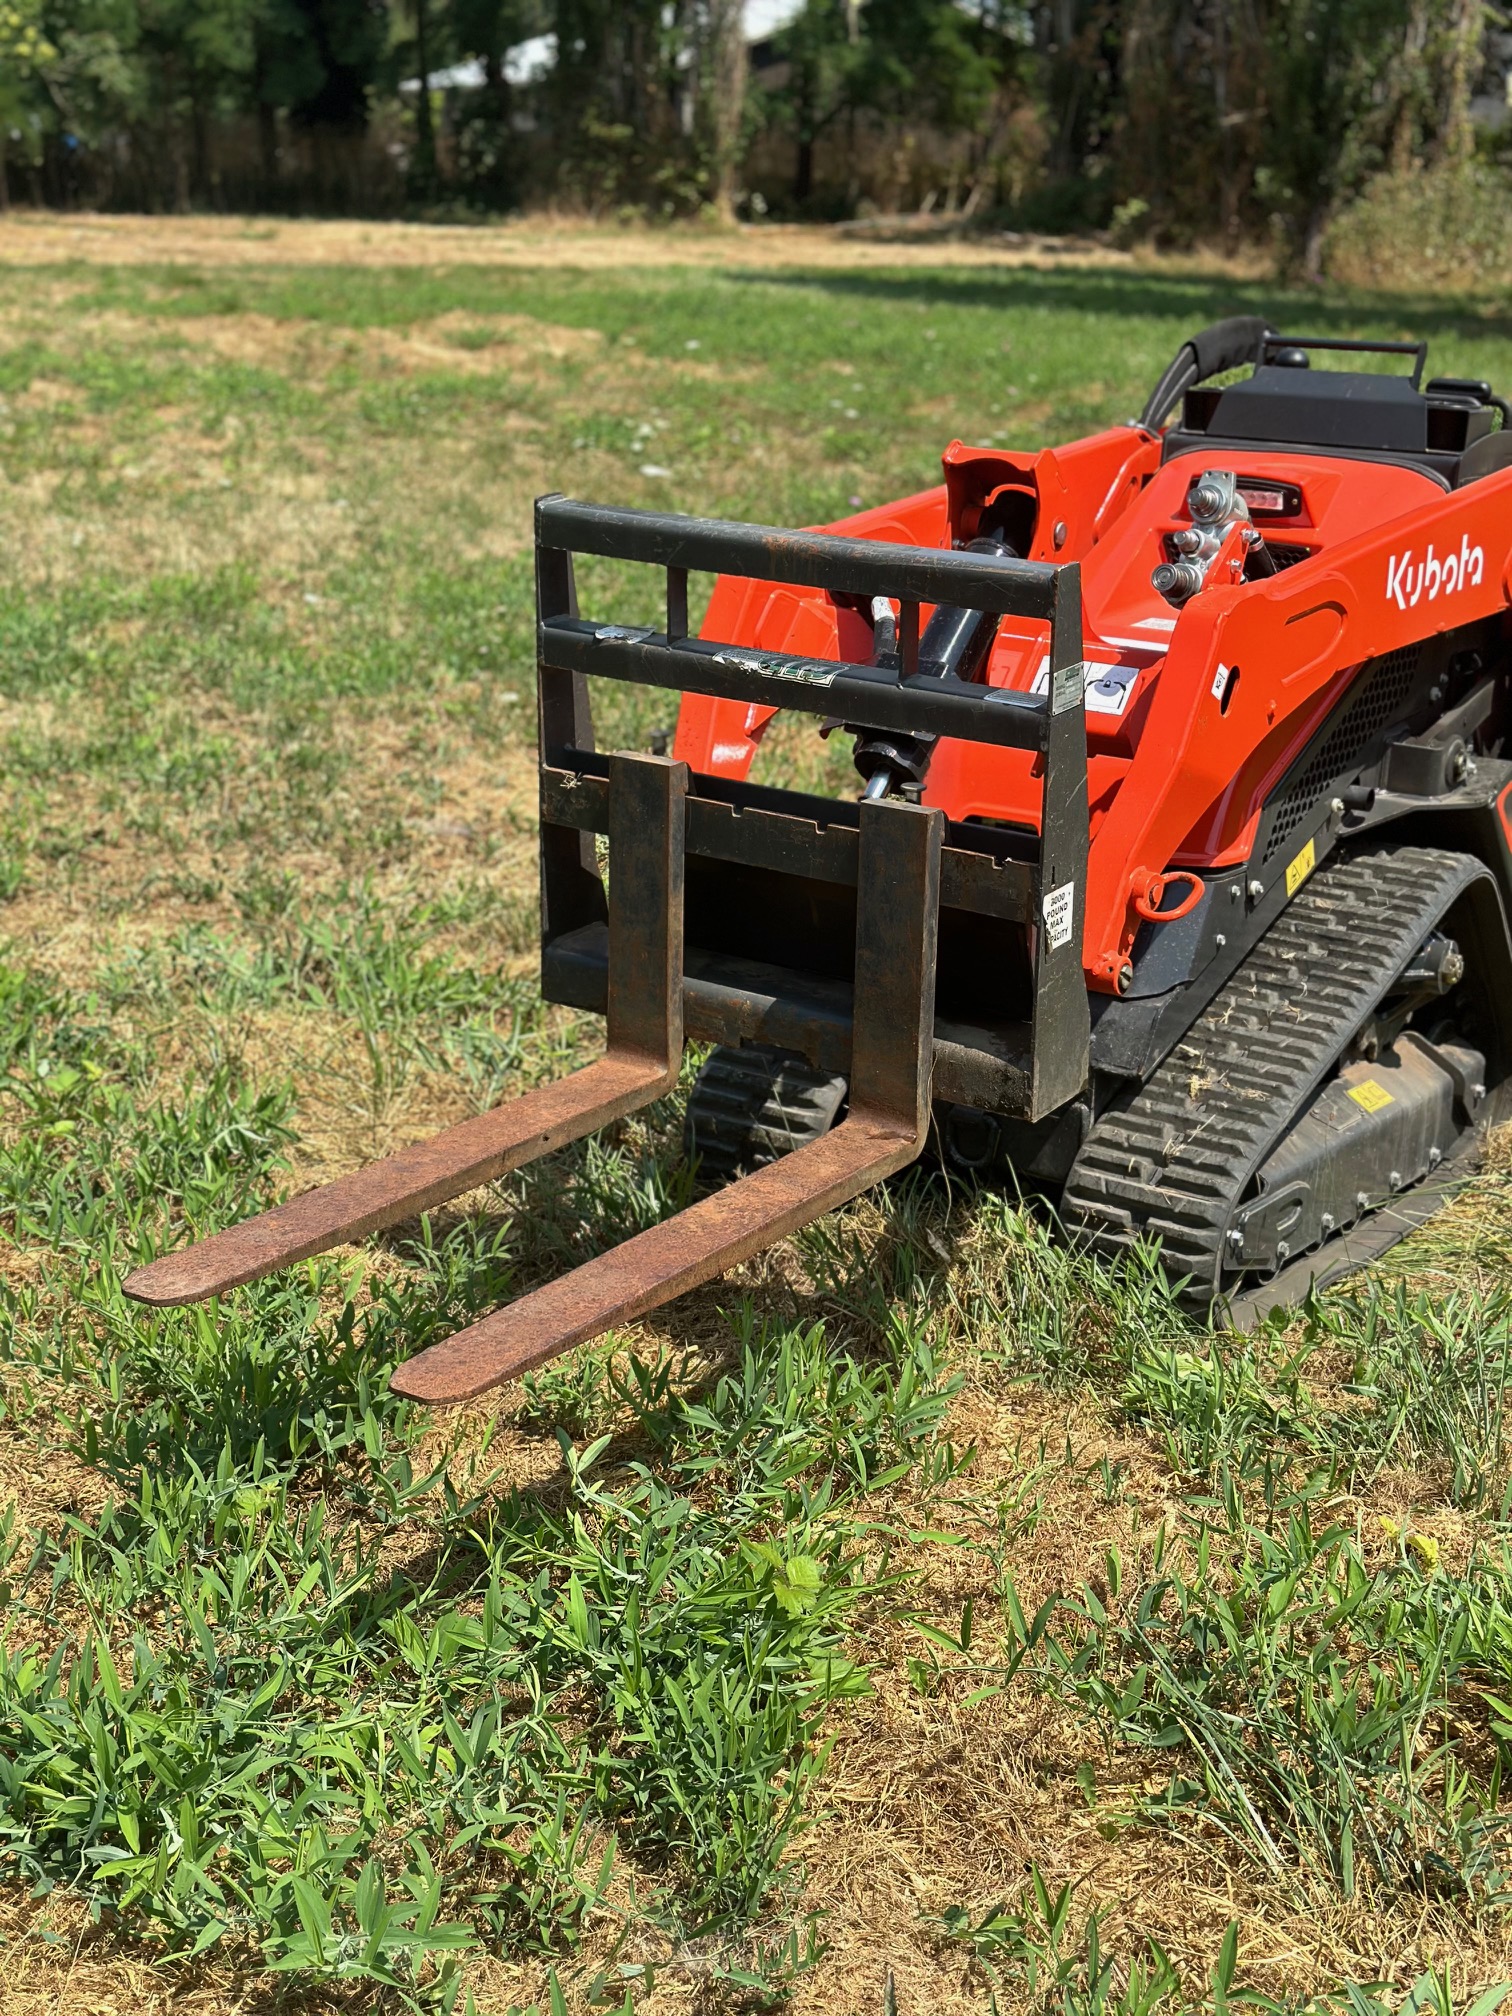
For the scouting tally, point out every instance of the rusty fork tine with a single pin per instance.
(662, 1263)
(647, 799)
(891, 1067)
(401, 1186)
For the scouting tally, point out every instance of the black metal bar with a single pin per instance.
(908, 637)
(572, 890)
(731, 1000)
(920, 706)
(677, 603)
(842, 565)
(1366, 344)
(998, 844)
(897, 940)
(1062, 1015)
(648, 859)
(556, 589)
(732, 827)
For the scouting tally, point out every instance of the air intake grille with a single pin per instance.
(1379, 700)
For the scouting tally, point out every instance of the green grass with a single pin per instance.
(919, 1597)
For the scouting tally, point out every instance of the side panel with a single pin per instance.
(1294, 640)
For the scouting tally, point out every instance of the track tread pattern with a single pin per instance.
(1171, 1159)
(752, 1105)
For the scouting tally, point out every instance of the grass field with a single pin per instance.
(914, 1598)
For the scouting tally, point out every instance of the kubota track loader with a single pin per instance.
(1178, 882)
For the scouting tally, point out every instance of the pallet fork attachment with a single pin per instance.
(905, 863)
(892, 1057)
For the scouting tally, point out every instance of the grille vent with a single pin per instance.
(1381, 697)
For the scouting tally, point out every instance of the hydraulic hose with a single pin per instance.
(955, 645)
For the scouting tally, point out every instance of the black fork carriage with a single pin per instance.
(923, 958)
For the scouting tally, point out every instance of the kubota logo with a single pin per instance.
(1407, 584)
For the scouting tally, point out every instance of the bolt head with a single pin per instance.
(1125, 977)
(1206, 501)
(1395, 1179)
(1059, 534)
(1256, 890)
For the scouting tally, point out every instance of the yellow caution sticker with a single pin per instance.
(1301, 868)
(1370, 1095)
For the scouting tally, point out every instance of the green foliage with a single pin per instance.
(1305, 1704)
(1053, 1971)
(1156, 115)
(1447, 227)
(260, 1716)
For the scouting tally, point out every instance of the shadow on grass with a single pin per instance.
(1190, 298)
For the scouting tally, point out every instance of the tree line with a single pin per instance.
(1186, 119)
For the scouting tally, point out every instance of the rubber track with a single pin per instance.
(750, 1106)
(1172, 1159)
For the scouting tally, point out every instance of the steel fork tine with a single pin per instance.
(647, 802)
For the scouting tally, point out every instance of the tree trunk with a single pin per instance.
(425, 127)
(499, 87)
(267, 122)
(1467, 32)
(1403, 152)
(200, 180)
(267, 146)
(4, 185)
(728, 70)
(803, 180)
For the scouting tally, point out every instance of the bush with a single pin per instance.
(1449, 226)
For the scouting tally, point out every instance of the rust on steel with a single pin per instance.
(657, 1265)
(892, 1060)
(647, 799)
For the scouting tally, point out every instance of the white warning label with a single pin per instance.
(1060, 914)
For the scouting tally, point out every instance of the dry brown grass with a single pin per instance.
(96, 239)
